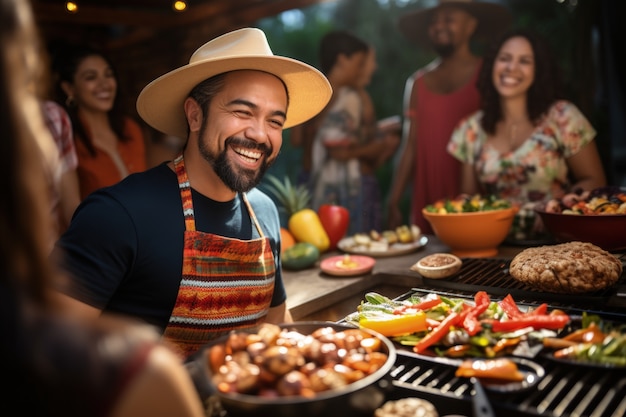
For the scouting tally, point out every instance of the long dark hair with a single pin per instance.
(65, 61)
(543, 92)
(25, 230)
(338, 42)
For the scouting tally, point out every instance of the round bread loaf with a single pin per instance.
(566, 268)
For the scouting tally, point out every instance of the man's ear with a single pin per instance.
(193, 113)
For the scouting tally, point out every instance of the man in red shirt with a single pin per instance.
(436, 98)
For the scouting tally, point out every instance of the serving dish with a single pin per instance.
(532, 371)
(347, 265)
(437, 265)
(607, 231)
(359, 398)
(474, 234)
(348, 245)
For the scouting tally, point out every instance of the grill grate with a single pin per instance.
(492, 275)
(565, 391)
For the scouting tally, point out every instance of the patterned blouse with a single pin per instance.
(537, 169)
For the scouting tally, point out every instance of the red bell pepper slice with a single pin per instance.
(553, 322)
(510, 307)
(470, 316)
(437, 333)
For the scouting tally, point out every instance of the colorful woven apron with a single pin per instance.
(226, 283)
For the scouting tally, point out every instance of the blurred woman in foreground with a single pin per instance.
(58, 365)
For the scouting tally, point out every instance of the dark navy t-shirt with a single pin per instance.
(124, 246)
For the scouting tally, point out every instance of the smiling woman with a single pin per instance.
(109, 144)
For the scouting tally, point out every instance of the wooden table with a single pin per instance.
(314, 295)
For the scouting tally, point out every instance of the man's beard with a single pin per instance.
(444, 50)
(236, 178)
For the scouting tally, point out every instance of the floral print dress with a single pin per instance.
(537, 169)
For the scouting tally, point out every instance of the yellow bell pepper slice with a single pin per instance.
(395, 325)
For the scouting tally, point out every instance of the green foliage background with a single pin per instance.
(297, 34)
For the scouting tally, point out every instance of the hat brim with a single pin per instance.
(493, 19)
(160, 103)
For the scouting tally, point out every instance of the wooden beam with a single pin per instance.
(47, 13)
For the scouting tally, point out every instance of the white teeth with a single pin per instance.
(248, 153)
(508, 80)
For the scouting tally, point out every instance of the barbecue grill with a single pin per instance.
(566, 390)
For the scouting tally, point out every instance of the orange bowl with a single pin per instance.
(472, 235)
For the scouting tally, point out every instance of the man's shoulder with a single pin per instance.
(153, 183)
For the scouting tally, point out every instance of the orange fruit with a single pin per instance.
(287, 239)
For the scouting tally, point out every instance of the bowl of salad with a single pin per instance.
(597, 216)
(472, 226)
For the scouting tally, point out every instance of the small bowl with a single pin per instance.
(472, 235)
(438, 265)
(607, 231)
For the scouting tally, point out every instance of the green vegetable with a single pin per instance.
(302, 255)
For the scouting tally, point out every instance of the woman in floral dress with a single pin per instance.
(525, 143)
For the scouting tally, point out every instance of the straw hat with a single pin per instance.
(492, 19)
(160, 103)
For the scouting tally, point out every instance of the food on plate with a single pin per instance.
(459, 327)
(301, 255)
(438, 265)
(347, 265)
(346, 262)
(569, 268)
(597, 342)
(468, 204)
(407, 407)
(501, 369)
(375, 241)
(605, 200)
(279, 361)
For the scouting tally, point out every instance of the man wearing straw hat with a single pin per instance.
(436, 97)
(191, 246)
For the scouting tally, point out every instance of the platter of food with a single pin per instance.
(402, 241)
(432, 325)
(595, 343)
(347, 265)
(511, 374)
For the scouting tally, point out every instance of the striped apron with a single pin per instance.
(226, 283)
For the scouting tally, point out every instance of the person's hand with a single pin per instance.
(391, 141)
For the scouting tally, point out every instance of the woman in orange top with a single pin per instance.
(109, 144)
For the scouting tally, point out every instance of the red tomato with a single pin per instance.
(335, 220)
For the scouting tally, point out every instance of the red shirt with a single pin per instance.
(437, 173)
(99, 171)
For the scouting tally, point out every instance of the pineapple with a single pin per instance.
(303, 222)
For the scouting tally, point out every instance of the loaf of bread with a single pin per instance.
(566, 268)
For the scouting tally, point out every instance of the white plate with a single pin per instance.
(347, 245)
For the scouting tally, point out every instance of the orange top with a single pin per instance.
(100, 171)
